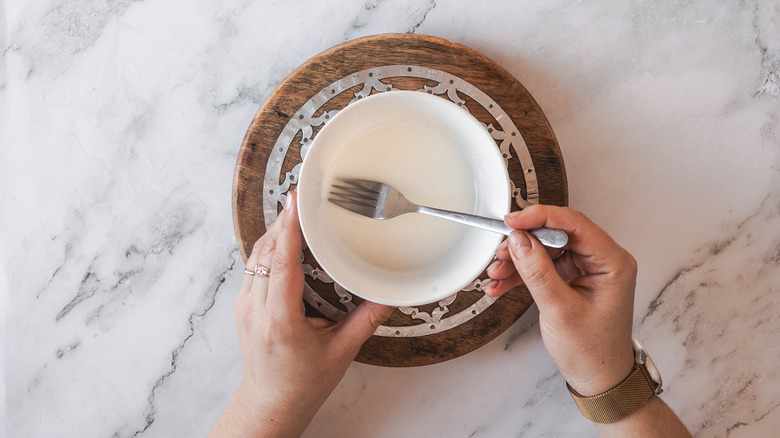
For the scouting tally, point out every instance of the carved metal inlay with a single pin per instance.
(379, 79)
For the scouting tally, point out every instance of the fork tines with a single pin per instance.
(359, 196)
(362, 185)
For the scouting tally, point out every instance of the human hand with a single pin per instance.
(291, 362)
(585, 297)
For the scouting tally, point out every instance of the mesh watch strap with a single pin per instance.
(619, 402)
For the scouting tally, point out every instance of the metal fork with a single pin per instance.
(382, 201)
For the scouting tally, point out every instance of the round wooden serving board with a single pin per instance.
(292, 115)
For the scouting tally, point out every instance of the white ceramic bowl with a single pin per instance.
(436, 154)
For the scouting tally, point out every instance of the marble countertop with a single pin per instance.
(120, 122)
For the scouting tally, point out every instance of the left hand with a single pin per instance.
(291, 362)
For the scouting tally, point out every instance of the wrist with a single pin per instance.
(261, 414)
(253, 411)
(606, 375)
(248, 415)
(276, 411)
(628, 396)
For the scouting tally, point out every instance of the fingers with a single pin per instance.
(262, 253)
(361, 323)
(537, 270)
(566, 267)
(586, 239)
(501, 269)
(285, 288)
(505, 276)
(502, 252)
(253, 287)
(496, 288)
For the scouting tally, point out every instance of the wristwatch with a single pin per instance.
(628, 396)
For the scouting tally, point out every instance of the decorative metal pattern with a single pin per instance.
(379, 79)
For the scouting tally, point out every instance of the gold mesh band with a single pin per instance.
(619, 402)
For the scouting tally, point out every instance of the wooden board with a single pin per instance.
(439, 55)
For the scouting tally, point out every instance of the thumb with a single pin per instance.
(535, 267)
(362, 322)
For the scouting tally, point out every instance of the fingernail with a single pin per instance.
(288, 201)
(513, 214)
(489, 288)
(519, 243)
(495, 265)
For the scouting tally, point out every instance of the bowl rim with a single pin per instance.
(477, 267)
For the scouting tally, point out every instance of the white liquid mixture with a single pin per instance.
(420, 162)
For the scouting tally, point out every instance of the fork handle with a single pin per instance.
(550, 237)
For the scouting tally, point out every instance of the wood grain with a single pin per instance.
(390, 49)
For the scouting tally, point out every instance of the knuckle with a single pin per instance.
(537, 275)
(539, 278)
(631, 262)
(283, 265)
(631, 267)
(626, 261)
(258, 244)
(375, 319)
(533, 207)
(576, 215)
(265, 246)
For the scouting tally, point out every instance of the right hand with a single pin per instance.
(585, 297)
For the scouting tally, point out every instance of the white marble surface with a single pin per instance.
(121, 121)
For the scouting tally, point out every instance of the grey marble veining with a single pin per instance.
(120, 122)
(720, 310)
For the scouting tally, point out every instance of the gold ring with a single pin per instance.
(262, 271)
(560, 255)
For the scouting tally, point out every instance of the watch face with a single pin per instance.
(642, 358)
(652, 370)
